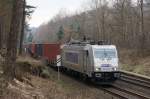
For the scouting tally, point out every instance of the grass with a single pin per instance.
(129, 61)
(140, 69)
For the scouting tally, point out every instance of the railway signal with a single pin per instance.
(58, 65)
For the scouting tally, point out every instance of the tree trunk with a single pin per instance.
(142, 26)
(12, 40)
(0, 33)
(22, 28)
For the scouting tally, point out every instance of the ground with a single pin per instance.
(39, 86)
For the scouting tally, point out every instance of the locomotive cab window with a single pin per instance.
(105, 53)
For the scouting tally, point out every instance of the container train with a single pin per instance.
(93, 61)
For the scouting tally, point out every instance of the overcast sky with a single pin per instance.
(47, 9)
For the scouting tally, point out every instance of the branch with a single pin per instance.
(30, 7)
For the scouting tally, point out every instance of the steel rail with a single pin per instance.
(135, 79)
(137, 76)
(130, 92)
(135, 82)
(116, 94)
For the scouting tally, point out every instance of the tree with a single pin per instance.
(123, 22)
(22, 30)
(1, 31)
(100, 7)
(27, 11)
(30, 38)
(60, 33)
(5, 16)
(9, 68)
(142, 26)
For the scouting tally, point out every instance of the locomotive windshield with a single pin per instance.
(105, 53)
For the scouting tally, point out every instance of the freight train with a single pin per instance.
(93, 61)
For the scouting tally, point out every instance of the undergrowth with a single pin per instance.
(130, 60)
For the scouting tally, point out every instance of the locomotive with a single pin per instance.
(94, 61)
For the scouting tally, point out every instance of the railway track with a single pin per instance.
(130, 86)
(123, 93)
(135, 88)
(135, 79)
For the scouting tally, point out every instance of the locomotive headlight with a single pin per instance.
(98, 69)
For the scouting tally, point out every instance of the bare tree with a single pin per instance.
(122, 22)
(142, 25)
(101, 14)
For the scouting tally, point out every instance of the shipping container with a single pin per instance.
(50, 51)
(33, 48)
(47, 52)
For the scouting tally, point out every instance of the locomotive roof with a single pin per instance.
(88, 45)
(104, 46)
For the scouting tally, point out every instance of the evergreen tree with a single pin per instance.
(60, 33)
(30, 37)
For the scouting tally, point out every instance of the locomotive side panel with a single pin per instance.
(88, 62)
(72, 58)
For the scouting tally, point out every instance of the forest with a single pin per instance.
(124, 23)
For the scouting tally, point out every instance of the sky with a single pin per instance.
(47, 9)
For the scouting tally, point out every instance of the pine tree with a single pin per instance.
(60, 33)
